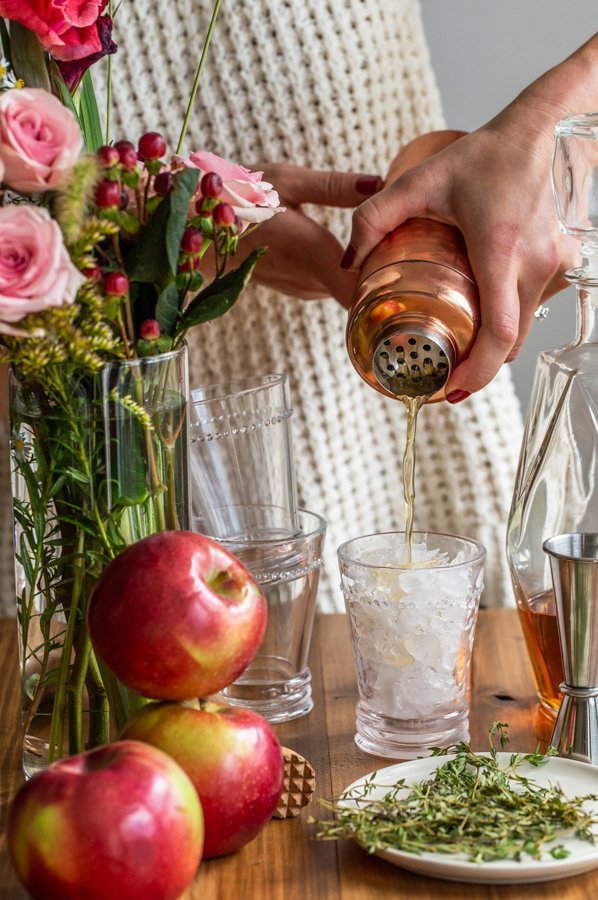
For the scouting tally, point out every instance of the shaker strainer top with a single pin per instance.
(413, 363)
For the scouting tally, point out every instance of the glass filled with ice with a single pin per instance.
(412, 630)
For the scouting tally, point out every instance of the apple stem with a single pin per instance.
(192, 704)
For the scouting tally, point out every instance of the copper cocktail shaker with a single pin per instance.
(415, 313)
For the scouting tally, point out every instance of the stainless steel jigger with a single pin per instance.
(574, 569)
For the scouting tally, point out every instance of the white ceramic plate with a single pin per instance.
(574, 778)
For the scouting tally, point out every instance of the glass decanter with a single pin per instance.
(556, 489)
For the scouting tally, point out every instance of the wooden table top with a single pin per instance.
(284, 862)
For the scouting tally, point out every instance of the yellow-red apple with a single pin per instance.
(231, 755)
(176, 616)
(121, 822)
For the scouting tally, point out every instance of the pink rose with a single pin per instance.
(36, 271)
(67, 29)
(39, 139)
(252, 199)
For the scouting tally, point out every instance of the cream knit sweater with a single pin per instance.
(329, 84)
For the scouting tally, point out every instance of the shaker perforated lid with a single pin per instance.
(414, 362)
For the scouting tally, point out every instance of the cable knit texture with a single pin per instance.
(329, 84)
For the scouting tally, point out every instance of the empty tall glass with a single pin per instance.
(412, 634)
(286, 564)
(241, 452)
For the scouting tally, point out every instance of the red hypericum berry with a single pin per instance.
(152, 145)
(124, 145)
(239, 223)
(116, 284)
(108, 156)
(128, 159)
(211, 185)
(127, 155)
(150, 330)
(93, 273)
(224, 215)
(107, 194)
(186, 266)
(162, 183)
(192, 241)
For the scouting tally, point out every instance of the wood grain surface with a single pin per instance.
(285, 862)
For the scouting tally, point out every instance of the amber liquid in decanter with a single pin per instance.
(539, 625)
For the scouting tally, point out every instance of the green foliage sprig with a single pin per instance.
(471, 805)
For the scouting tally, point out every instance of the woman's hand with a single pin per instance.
(494, 185)
(303, 258)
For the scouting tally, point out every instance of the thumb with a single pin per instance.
(408, 196)
(323, 187)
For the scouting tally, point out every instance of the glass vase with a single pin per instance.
(97, 463)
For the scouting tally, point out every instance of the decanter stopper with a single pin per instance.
(575, 186)
(574, 570)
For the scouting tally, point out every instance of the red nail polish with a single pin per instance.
(348, 257)
(368, 184)
(457, 396)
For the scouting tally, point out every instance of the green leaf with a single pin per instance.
(90, 116)
(5, 40)
(219, 296)
(167, 308)
(127, 221)
(156, 251)
(185, 185)
(59, 85)
(28, 59)
(147, 261)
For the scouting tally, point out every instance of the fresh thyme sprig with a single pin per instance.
(472, 804)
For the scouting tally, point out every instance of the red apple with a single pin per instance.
(176, 616)
(122, 821)
(231, 755)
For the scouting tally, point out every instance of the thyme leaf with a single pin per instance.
(472, 804)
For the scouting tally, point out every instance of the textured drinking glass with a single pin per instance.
(286, 563)
(241, 451)
(412, 634)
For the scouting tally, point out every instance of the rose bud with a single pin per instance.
(224, 215)
(211, 185)
(192, 241)
(107, 194)
(108, 156)
(116, 284)
(162, 183)
(150, 330)
(152, 145)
